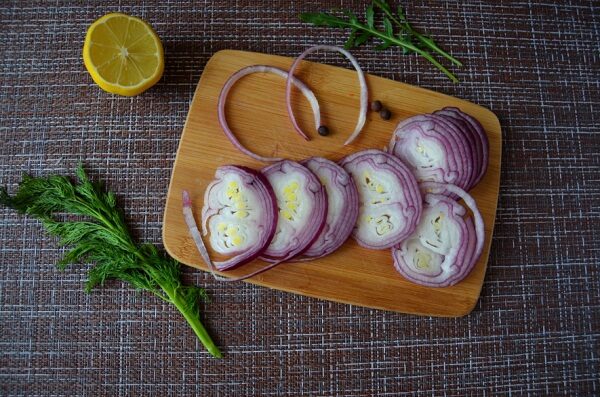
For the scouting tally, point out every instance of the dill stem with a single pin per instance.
(194, 322)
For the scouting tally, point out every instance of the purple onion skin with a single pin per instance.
(344, 226)
(480, 133)
(463, 139)
(320, 197)
(271, 194)
(407, 181)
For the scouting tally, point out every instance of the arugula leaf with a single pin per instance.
(408, 39)
(387, 25)
(350, 41)
(403, 24)
(370, 15)
(101, 236)
(362, 38)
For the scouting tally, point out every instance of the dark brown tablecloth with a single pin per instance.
(535, 330)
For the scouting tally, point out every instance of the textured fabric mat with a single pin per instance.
(535, 330)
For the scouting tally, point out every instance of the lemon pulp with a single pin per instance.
(123, 54)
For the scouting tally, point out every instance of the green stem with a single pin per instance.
(175, 299)
(435, 47)
(409, 46)
(192, 318)
(194, 322)
(428, 42)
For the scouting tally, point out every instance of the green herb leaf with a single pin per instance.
(370, 15)
(409, 39)
(387, 25)
(362, 38)
(102, 237)
(420, 40)
(383, 46)
(350, 42)
(401, 14)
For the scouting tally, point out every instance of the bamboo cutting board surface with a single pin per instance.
(256, 114)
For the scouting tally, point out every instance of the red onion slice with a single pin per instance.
(428, 257)
(442, 188)
(461, 148)
(467, 257)
(239, 215)
(437, 149)
(193, 229)
(302, 206)
(470, 136)
(428, 153)
(364, 92)
(342, 207)
(310, 96)
(444, 247)
(484, 145)
(390, 202)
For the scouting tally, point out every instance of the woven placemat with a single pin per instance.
(535, 330)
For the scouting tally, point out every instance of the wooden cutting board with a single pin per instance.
(256, 113)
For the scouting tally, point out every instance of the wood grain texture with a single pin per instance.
(256, 113)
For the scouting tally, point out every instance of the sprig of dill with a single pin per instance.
(404, 36)
(100, 235)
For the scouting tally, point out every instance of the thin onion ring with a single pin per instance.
(188, 215)
(470, 202)
(310, 96)
(364, 92)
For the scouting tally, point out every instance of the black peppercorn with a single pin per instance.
(376, 106)
(323, 130)
(385, 114)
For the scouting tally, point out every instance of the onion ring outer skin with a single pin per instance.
(390, 200)
(310, 96)
(364, 91)
(302, 206)
(463, 256)
(342, 207)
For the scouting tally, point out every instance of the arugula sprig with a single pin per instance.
(100, 235)
(405, 36)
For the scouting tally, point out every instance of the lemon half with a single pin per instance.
(123, 54)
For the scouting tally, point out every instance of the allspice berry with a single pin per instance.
(376, 106)
(385, 114)
(323, 130)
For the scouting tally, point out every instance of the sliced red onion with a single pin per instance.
(390, 202)
(466, 255)
(302, 206)
(425, 151)
(469, 201)
(310, 96)
(482, 139)
(461, 147)
(438, 149)
(239, 215)
(444, 247)
(364, 92)
(193, 229)
(342, 207)
(470, 136)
